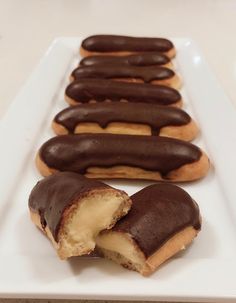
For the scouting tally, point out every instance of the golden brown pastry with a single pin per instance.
(71, 210)
(123, 156)
(162, 221)
(142, 59)
(126, 73)
(124, 45)
(125, 118)
(103, 90)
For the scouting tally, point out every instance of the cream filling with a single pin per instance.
(92, 215)
(122, 244)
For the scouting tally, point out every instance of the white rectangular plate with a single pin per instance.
(29, 266)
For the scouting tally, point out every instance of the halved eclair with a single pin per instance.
(143, 59)
(126, 73)
(123, 156)
(101, 90)
(71, 210)
(124, 45)
(163, 220)
(125, 118)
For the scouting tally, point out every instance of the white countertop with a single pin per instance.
(27, 28)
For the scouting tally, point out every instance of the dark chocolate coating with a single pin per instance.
(54, 194)
(146, 74)
(145, 59)
(78, 152)
(113, 43)
(158, 213)
(156, 116)
(85, 90)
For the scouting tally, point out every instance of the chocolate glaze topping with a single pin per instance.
(112, 43)
(52, 195)
(78, 152)
(147, 74)
(146, 59)
(158, 213)
(156, 116)
(101, 90)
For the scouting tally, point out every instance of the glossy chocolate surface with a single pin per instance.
(156, 116)
(145, 59)
(78, 152)
(158, 213)
(146, 74)
(101, 90)
(112, 43)
(54, 194)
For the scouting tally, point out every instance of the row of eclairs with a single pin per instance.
(124, 120)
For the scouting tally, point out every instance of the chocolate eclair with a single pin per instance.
(111, 156)
(163, 220)
(144, 59)
(124, 45)
(125, 118)
(135, 74)
(100, 90)
(71, 210)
